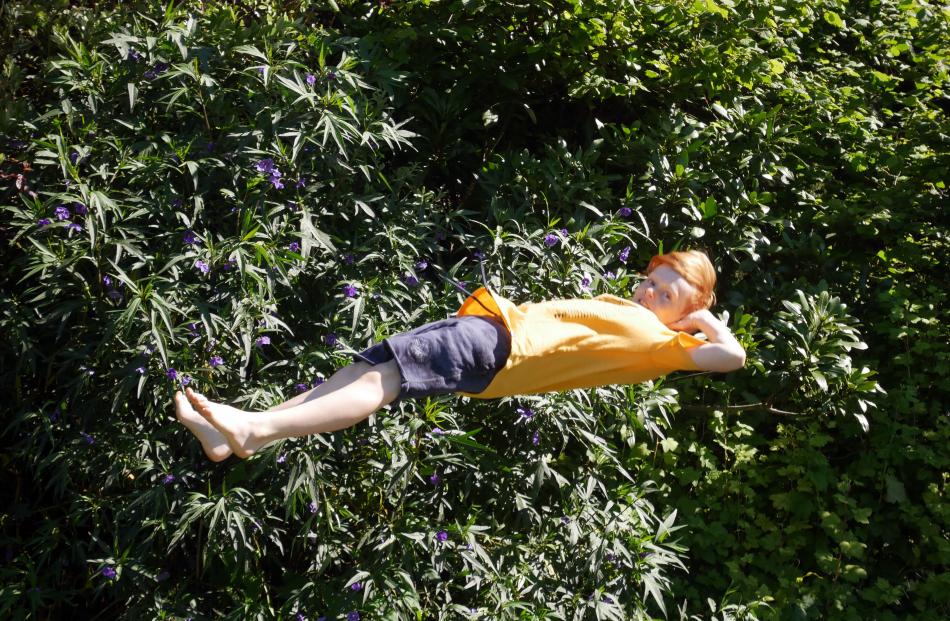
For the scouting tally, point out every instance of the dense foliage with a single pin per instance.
(234, 195)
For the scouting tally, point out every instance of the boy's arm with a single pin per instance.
(722, 352)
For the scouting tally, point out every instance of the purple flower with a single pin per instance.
(312, 506)
(301, 387)
(192, 328)
(215, 361)
(275, 180)
(185, 380)
(469, 546)
(437, 432)
(169, 478)
(349, 290)
(318, 381)
(625, 212)
(109, 572)
(565, 519)
(331, 75)
(410, 280)
(282, 458)
(550, 239)
(141, 370)
(442, 535)
(172, 374)
(262, 69)
(61, 212)
(43, 222)
(106, 280)
(301, 183)
(311, 79)
(265, 165)
(176, 202)
(330, 339)
(609, 275)
(294, 247)
(74, 227)
(80, 209)
(299, 617)
(525, 413)
(535, 438)
(88, 438)
(263, 340)
(421, 264)
(189, 237)
(201, 265)
(585, 282)
(564, 232)
(478, 254)
(349, 259)
(133, 54)
(357, 586)
(74, 157)
(434, 479)
(625, 254)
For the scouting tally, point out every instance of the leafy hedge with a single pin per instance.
(234, 195)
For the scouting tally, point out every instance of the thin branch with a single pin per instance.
(739, 408)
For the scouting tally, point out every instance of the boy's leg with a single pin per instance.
(341, 377)
(360, 390)
(216, 445)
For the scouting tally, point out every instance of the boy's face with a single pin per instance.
(666, 293)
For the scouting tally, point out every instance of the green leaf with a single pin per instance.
(250, 50)
(133, 95)
(834, 19)
(895, 490)
(721, 111)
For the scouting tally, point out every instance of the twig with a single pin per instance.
(738, 408)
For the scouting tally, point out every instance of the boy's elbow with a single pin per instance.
(733, 361)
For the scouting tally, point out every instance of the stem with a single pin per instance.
(738, 408)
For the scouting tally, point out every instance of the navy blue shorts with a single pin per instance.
(442, 357)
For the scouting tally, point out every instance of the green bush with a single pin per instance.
(191, 194)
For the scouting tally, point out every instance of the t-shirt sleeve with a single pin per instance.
(674, 355)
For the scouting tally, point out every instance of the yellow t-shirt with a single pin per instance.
(579, 343)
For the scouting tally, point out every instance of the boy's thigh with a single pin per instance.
(443, 357)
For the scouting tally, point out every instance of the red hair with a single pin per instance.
(696, 268)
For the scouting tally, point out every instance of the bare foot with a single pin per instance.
(237, 426)
(213, 442)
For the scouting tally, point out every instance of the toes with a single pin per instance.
(206, 412)
(195, 398)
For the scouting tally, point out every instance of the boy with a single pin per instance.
(493, 348)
